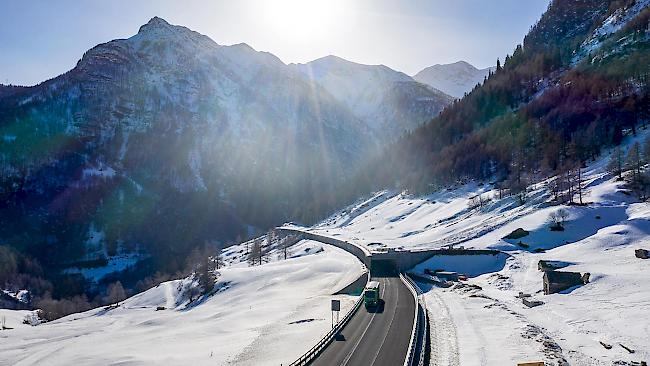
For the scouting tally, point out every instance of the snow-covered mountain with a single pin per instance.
(454, 79)
(166, 126)
(387, 100)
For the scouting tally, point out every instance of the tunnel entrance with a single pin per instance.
(384, 268)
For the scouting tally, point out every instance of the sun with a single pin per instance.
(302, 20)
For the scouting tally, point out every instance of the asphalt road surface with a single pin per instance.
(375, 337)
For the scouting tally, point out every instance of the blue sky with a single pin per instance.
(41, 39)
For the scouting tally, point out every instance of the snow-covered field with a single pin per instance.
(482, 321)
(262, 315)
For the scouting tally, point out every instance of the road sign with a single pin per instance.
(336, 305)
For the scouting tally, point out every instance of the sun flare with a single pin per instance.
(302, 19)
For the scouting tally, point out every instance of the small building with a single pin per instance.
(556, 281)
(642, 253)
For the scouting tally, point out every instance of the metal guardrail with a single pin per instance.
(310, 355)
(424, 321)
(410, 353)
(425, 335)
(420, 327)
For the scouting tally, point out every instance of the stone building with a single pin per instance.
(556, 281)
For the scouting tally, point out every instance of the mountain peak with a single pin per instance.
(465, 64)
(455, 79)
(332, 60)
(155, 23)
(454, 65)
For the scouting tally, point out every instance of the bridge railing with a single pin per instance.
(416, 354)
(310, 355)
(358, 251)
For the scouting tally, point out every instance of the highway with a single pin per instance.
(379, 338)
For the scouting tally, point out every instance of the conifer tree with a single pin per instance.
(206, 275)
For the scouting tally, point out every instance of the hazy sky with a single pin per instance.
(41, 39)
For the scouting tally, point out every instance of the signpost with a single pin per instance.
(336, 307)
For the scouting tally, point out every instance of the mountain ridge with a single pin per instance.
(376, 93)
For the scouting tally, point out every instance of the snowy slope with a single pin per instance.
(263, 315)
(468, 318)
(454, 79)
(612, 24)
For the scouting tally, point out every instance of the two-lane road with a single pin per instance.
(379, 338)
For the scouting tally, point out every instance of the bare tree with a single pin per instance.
(271, 237)
(554, 186)
(616, 163)
(218, 258)
(563, 215)
(518, 187)
(255, 253)
(501, 190)
(115, 293)
(285, 246)
(554, 219)
(579, 181)
(558, 218)
(640, 183)
(635, 161)
(479, 201)
(643, 186)
(570, 180)
(265, 251)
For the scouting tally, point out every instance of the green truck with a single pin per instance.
(371, 294)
